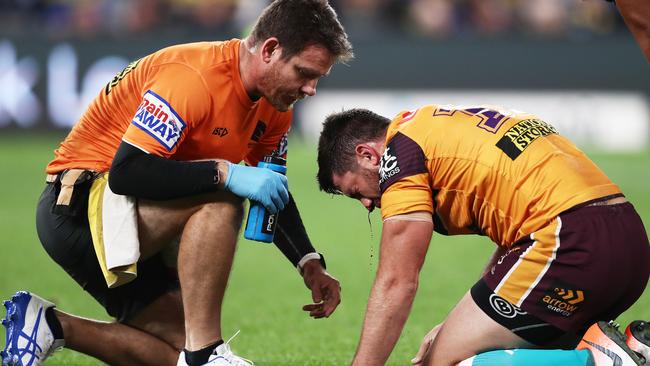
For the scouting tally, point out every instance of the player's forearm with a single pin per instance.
(403, 248)
(388, 308)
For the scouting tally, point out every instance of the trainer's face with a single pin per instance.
(288, 80)
(362, 185)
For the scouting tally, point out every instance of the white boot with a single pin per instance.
(29, 340)
(221, 356)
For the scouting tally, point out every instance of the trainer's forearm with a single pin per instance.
(290, 236)
(388, 308)
(138, 174)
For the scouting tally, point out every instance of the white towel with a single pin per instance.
(120, 227)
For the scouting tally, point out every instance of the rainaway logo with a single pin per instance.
(157, 118)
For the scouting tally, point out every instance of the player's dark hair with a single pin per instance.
(299, 23)
(342, 132)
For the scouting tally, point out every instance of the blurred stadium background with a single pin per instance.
(572, 62)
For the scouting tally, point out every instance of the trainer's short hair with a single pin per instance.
(299, 23)
(341, 134)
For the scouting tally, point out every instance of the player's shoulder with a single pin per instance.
(433, 118)
(412, 123)
(196, 55)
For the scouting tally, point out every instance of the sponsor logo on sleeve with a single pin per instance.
(283, 145)
(402, 158)
(260, 128)
(388, 165)
(408, 115)
(522, 134)
(157, 118)
(121, 75)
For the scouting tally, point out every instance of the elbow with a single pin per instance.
(411, 288)
(406, 286)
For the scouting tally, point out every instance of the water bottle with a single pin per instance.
(260, 224)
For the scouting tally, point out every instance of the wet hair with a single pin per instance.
(341, 134)
(300, 23)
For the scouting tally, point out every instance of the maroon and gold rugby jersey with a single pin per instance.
(185, 102)
(502, 174)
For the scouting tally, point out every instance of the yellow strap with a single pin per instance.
(117, 276)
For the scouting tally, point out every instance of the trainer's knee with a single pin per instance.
(224, 206)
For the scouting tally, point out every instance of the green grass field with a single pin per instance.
(266, 293)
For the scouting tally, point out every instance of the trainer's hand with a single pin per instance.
(325, 290)
(425, 347)
(257, 184)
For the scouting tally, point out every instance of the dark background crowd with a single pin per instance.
(436, 19)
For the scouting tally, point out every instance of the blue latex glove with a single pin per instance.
(258, 184)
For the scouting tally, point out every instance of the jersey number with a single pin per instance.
(488, 119)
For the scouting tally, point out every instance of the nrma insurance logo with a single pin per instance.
(157, 118)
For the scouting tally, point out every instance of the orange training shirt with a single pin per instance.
(502, 174)
(185, 102)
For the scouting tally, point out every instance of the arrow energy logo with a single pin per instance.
(563, 300)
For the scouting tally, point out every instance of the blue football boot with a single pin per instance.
(29, 339)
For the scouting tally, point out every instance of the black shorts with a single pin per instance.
(67, 239)
(589, 264)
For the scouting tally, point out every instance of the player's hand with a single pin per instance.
(325, 290)
(258, 184)
(425, 347)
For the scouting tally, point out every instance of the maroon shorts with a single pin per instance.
(590, 263)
